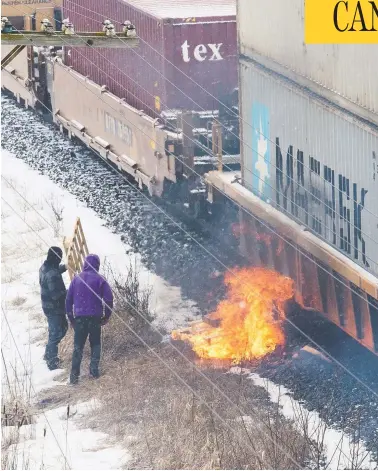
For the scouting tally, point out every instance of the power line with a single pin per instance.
(262, 223)
(23, 364)
(207, 92)
(290, 178)
(198, 396)
(156, 329)
(201, 177)
(297, 183)
(228, 269)
(293, 202)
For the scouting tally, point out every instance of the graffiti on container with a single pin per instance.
(331, 205)
(201, 52)
(261, 151)
(119, 129)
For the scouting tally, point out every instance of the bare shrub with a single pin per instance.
(57, 210)
(16, 415)
(10, 453)
(132, 304)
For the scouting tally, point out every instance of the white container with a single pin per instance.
(275, 29)
(332, 184)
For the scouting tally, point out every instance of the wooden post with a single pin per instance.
(76, 250)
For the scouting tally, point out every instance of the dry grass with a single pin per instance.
(8, 275)
(18, 301)
(162, 422)
(166, 426)
(16, 414)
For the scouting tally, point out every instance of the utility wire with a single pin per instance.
(182, 381)
(254, 217)
(200, 176)
(228, 269)
(312, 196)
(158, 331)
(23, 364)
(357, 378)
(207, 92)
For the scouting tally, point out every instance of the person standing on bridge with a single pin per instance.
(53, 295)
(89, 305)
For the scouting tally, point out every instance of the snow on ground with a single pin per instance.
(77, 449)
(52, 441)
(340, 451)
(29, 227)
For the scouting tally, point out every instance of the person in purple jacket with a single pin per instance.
(89, 305)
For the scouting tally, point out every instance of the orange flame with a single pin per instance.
(249, 320)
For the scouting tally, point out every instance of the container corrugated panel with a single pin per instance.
(177, 39)
(313, 161)
(275, 29)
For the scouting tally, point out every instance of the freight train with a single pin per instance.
(309, 182)
(165, 112)
(155, 113)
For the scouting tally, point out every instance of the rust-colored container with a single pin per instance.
(177, 38)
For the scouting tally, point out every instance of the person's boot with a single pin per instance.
(74, 379)
(94, 374)
(55, 364)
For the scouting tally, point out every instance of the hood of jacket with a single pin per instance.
(54, 256)
(92, 263)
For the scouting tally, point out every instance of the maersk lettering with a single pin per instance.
(313, 202)
(202, 52)
(360, 19)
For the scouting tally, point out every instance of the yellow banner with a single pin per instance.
(341, 22)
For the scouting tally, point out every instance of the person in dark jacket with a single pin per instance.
(89, 305)
(53, 295)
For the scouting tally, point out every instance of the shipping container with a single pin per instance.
(181, 43)
(275, 29)
(312, 160)
(27, 15)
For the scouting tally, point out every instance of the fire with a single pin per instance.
(249, 321)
